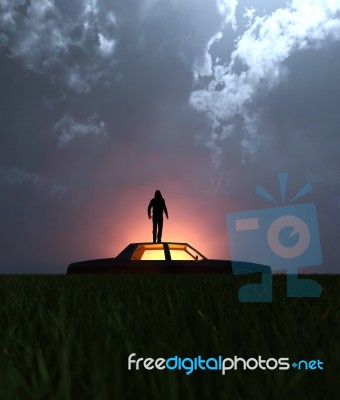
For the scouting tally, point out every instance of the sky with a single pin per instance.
(104, 102)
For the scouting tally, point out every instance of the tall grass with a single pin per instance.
(68, 337)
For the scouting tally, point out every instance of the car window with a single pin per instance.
(153, 251)
(183, 252)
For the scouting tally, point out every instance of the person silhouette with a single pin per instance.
(157, 204)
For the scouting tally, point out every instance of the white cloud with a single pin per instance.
(227, 9)
(204, 67)
(256, 63)
(106, 46)
(76, 51)
(69, 129)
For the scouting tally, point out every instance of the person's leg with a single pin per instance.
(154, 229)
(160, 229)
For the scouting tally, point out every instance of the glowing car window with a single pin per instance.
(153, 251)
(183, 252)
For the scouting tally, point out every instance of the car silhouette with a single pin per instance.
(165, 257)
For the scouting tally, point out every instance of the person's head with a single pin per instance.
(158, 194)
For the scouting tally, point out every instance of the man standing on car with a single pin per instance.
(158, 206)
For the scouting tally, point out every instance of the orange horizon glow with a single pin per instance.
(105, 227)
(201, 225)
(111, 219)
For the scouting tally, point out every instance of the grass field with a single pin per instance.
(68, 337)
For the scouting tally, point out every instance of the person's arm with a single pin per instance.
(165, 210)
(149, 209)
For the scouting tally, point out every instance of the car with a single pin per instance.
(165, 257)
